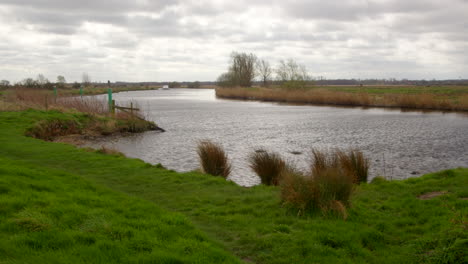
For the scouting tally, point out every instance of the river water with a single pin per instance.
(400, 144)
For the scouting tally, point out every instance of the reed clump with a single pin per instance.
(213, 159)
(268, 166)
(354, 163)
(329, 184)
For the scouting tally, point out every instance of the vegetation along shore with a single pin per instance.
(64, 204)
(404, 97)
(290, 82)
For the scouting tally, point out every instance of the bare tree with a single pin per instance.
(86, 79)
(41, 79)
(292, 74)
(243, 68)
(264, 70)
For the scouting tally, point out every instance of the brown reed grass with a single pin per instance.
(328, 192)
(320, 96)
(329, 184)
(354, 163)
(213, 159)
(268, 166)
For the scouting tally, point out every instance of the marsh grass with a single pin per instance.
(268, 166)
(328, 96)
(328, 192)
(354, 163)
(329, 185)
(213, 159)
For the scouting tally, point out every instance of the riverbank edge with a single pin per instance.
(334, 99)
(130, 176)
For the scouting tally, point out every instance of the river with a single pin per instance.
(399, 144)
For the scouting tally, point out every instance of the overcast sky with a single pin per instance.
(144, 40)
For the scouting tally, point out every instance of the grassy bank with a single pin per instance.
(103, 89)
(389, 222)
(85, 118)
(451, 98)
(53, 216)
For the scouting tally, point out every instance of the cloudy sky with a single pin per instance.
(145, 40)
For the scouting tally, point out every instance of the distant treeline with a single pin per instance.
(319, 82)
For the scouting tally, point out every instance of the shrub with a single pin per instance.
(268, 166)
(213, 159)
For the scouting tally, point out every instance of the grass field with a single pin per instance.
(52, 194)
(445, 98)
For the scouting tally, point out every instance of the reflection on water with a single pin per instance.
(400, 144)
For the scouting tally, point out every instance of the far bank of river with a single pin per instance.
(400, 144)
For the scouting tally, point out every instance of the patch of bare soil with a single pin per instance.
(430, 195)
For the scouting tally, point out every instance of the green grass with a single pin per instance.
(387, 223)
(51, 216)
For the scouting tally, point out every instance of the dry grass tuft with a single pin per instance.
(328, 186)
(213, 159)
(355, 163)
(268, 166)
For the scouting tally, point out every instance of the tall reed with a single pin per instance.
(322, 96)
(328, 186)
(354, 163)
(213, 159)
(268, 166)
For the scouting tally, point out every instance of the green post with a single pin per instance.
(81, 91)
(109, 98)
(55, 93)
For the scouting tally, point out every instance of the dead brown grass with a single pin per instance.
(50, 129)
(327, 97)
(213, 159)
(268, 166)
(328, 192)
(355, 164)
(329, 184)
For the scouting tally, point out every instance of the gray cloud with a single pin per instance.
(138, 40)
